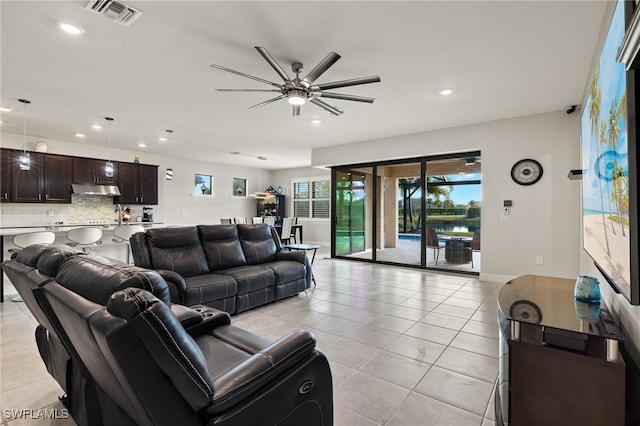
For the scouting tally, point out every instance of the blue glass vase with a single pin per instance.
(587, 310)
(587, 289)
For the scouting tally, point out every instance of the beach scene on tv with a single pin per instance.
(605, 179)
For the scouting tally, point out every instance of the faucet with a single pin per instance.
(119, 211)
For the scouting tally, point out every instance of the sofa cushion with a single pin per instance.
(287, 271)
(205, 288)
(177, 249)
(96, 278)
(257, 243)
(221, 246)
(251, 278)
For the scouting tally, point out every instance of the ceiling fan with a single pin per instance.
(298, 91)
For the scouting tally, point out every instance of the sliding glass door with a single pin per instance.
(453, 213)
(421, 212)
(400, 214)
(353, 212)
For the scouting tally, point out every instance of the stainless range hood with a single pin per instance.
(109, 190)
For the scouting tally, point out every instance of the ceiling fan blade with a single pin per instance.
(333, 110)
(345, 97)
(324, 65)
(277, 98)
(245, 75)
(345, 83)
(296, 110)
(247, 90)
(276, 66)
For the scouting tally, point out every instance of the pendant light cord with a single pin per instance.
(24, 123)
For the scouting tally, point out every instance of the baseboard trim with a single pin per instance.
(495, 278)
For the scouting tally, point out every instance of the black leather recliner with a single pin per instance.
(143, 364)
(40, 263)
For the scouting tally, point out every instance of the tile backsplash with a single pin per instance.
(83, 208)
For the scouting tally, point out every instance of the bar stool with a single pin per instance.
(85, 238)
(122, 234)
(24, 240)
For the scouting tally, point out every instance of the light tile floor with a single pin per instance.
(406, 347)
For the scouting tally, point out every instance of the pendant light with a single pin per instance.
(25, 157)
(108, 166)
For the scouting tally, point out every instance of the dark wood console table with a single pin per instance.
(559, 359)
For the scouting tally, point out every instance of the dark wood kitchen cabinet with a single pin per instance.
(5, 174)
(138, 184)
(48, 180)
(92, 171)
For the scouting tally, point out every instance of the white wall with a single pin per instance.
(176, 205)
(545, 217)
(315, 232)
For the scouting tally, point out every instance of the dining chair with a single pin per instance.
(226, 221)
(285, 234)
(434, 243)
(270, 220)
(256, 219)
(475, 245)
(240, 220)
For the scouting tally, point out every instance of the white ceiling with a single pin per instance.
(503, 59)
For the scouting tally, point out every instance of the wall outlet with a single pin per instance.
(538, 260)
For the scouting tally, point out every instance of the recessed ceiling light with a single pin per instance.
(70, 28)
(316, 121)
(262, 158)
(234, 153)
(161, 139)
(3, 109)
(142, 145)
(80, 135)
(446, 92)
(97, 127)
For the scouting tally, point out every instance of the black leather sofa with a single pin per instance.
(233, 268)
(126, 356)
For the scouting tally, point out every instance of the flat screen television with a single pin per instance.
(609, 178)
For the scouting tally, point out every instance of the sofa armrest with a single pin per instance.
(297, 255)
(210, 318)
(188, 317)
(140, 250)
(177, 285)
(249, 376)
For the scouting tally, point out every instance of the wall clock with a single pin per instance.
(526, 172)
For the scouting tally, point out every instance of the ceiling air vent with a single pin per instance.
(115, 10)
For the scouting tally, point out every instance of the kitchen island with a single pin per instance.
(108, 248)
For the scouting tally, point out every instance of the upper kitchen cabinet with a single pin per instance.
(5, 175)
(92, 171)
(48, 179)
(138, 184)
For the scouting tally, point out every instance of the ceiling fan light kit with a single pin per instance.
(298, 91)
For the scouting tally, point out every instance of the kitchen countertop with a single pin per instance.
(13, 230)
